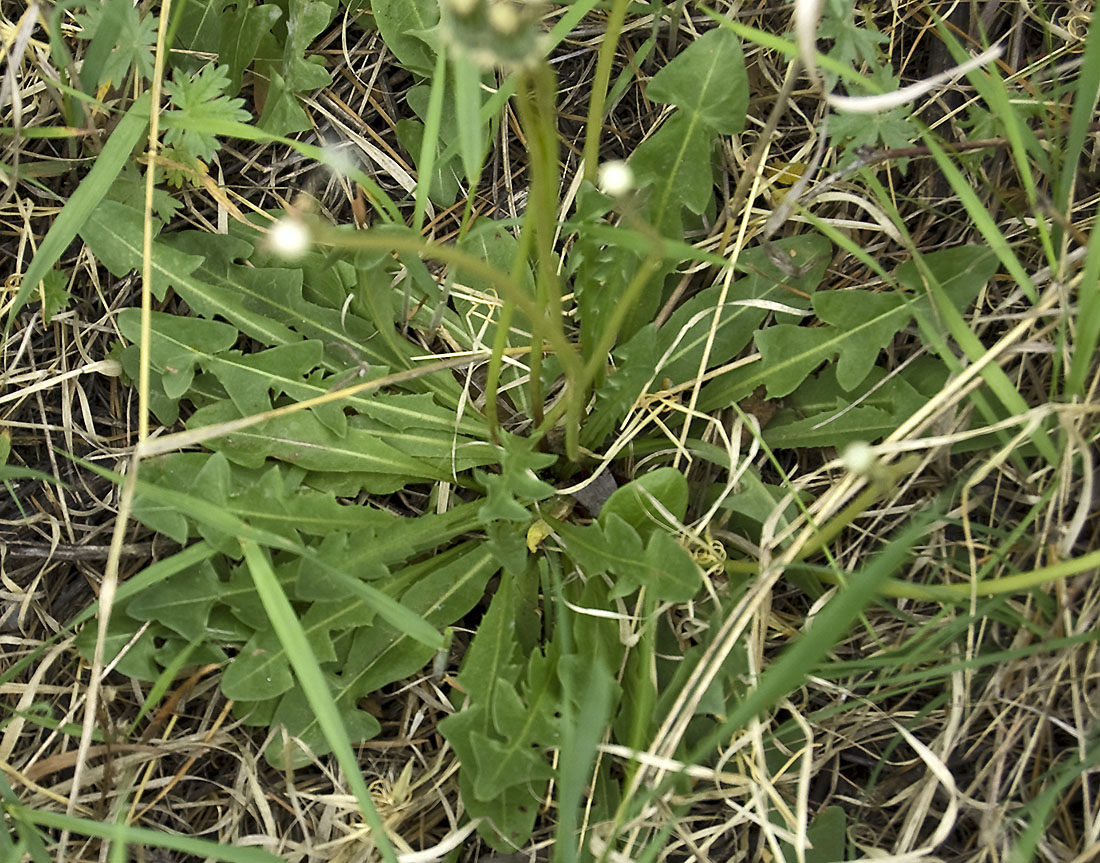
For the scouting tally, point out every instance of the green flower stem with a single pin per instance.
(504, 322)
(594, 123)
(535, 104)
(599, 354)
(496, 363)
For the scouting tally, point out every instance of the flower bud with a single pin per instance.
(859, 457)
(615, 178)
(289, 237)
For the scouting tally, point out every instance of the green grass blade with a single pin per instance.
(1084, 113)
(29, 841)
(141, 836)
(310, 678)
(1088, 317)
(797, 661)
(429, 145)
(29, 845)
(829, 626)
(992, 373)
(1024, 147)
(10, 473)
(105, 42)
(983, 220)
(995, 377)
(1039, 809)
(115, 154)
(467, 111)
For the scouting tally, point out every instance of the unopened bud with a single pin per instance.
(289, 237)
(462, 7)
(503, 18)
(859, 457)
(615, 178)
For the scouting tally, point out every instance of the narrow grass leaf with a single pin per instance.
(982, 218)
(829, 625)
(467, 87)
(312, 681)
(1024, 145)
(142, 836)
(443, 589)
(921, 272)
(1088, 315)
(29, 840)
(429, 144)
(110, 161)
(1040, 808)
(1084, 114)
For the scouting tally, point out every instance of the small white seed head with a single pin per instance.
(615, 178)
(289, 237)
(859, 457)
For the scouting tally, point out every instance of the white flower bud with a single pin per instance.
(503, 18)
(289, 237)
(615, 178)
(859, 457)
